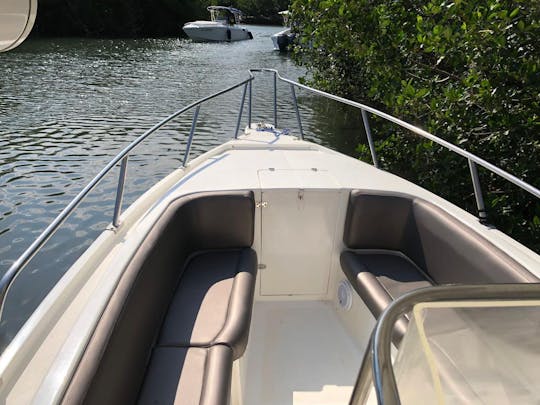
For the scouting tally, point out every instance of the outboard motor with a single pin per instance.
(283, 43)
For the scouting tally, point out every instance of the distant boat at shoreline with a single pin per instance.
(284, 38)
(222, 27)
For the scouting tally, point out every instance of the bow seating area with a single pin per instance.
(181, 312)
(398, 243)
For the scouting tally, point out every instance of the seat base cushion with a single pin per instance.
(186, 376)
(213, 302)
(381, 277)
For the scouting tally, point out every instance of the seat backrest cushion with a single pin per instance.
(113, 366)
(382, 221)
(219, 220)
(446, 249)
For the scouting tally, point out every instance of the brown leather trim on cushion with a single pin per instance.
(120, 347)
(213, 301)
(443, 249)
(380, 278)
(188, 376)
(384, 221)
(220, 220)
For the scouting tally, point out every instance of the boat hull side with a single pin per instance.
(216, 34)
(282, 40)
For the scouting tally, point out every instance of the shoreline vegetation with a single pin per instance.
(139, 18)
(468, 72)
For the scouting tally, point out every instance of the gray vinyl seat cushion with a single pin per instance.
(213, 302)
(187, 376)
(420, 245)
(199, 247)
(206, 328)
(381, 277)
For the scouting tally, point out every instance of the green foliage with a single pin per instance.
(268, 8)
(468, 71)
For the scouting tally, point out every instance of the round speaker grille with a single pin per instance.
(345, 295)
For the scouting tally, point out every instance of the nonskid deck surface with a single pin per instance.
(299, 353)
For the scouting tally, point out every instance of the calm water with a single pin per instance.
(67, 106)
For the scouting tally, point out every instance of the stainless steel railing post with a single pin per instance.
(364, 380)
(482, 214)
(369, 138)
(275, 99)
(120, 192)
(191, 132)
(249, 103)
(240, 112)
(297, 112)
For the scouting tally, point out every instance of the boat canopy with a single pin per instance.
(223, 13)
(285, 15)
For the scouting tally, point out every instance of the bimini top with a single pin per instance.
(229, 15)
(231, 9)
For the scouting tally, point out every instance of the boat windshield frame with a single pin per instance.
(376, 371)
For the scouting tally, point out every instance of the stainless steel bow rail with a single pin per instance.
(7, 279)
(376, 369)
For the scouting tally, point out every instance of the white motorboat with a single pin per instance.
(284, 38)
(270, 270)
(222, 27)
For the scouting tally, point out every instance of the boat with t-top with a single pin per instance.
(222, 27)
(283, 39)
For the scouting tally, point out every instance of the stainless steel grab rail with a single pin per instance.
(8, 278)
(377, 364)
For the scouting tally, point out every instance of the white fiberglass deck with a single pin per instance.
(298, 353)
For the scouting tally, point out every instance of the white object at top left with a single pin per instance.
(16, 21)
